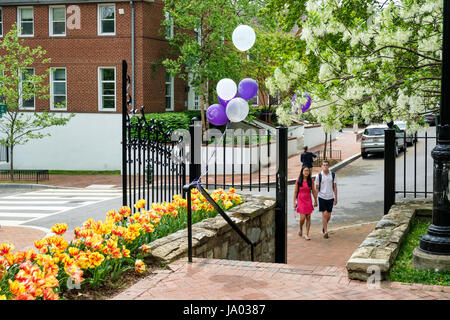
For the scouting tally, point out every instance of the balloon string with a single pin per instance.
(212, 155)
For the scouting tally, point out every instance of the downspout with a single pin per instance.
(132, 54)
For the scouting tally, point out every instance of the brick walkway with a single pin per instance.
(21, 237)
(315, 271)
(208, 279)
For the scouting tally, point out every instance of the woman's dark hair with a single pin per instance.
(308, 179)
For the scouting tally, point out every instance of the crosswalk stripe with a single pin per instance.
(20, 214)
(32, 202)
(12, 222)
(58, 198)
(23, 208)
(75, 194)
(45, 208)
(85, 191)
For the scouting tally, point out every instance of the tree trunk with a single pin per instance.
(207, 102)
(11, 163)
(202, 109)
(325, 147)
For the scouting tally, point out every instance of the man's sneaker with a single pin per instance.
(325, 235)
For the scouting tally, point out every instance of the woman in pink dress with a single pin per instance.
(304, 186)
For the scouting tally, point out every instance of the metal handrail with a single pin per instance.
(196, 184)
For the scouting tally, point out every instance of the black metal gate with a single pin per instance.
(150, 160)
(155, 168)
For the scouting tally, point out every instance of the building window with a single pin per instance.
(58, 89)
(25, 21)
(107, 88)
(169, 26)
(193, 97)
(57, 18)
(106, 19)
(1, 22)
(26, 98)
(169, 91)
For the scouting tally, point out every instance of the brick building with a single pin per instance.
(86, 41)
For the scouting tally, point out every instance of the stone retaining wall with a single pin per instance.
(381, 246)
(214, 238)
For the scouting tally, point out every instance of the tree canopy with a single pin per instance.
(378, 60)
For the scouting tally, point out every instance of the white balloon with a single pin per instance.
(243, 37)
(237, 110)
(226, 89)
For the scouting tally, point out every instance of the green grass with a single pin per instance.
(79, 172)
(403, 271)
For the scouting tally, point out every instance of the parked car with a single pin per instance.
(372, 140)
(430, 118)
(410, 139)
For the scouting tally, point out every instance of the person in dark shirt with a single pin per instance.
(307, 158)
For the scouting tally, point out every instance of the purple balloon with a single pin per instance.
(247, 88)
(225, 102)
(216, 114)
(307, 104)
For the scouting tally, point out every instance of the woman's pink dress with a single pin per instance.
(304, 200)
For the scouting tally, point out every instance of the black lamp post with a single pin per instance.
(437, 240)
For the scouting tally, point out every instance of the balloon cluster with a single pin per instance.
(234, 98)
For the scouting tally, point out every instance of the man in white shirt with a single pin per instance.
(327, 195)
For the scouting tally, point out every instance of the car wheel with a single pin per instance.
(396, 151)
(364, 155)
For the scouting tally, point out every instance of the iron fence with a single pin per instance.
(25, 175)
(407, 174)
(416, 188)
(241, 159)
(330, 155)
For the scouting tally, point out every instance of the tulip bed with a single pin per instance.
(101, 250)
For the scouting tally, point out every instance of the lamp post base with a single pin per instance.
(437, 241)
(425, 261)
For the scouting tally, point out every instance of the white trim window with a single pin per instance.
(26, 104)
(58, 89)
(106, 19)
(1, 22)
(107, 89)
(57, 21)
(169, 28)
(169, 92)
(25, 21)
(193, 97)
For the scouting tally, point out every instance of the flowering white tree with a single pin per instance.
(365, 58)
